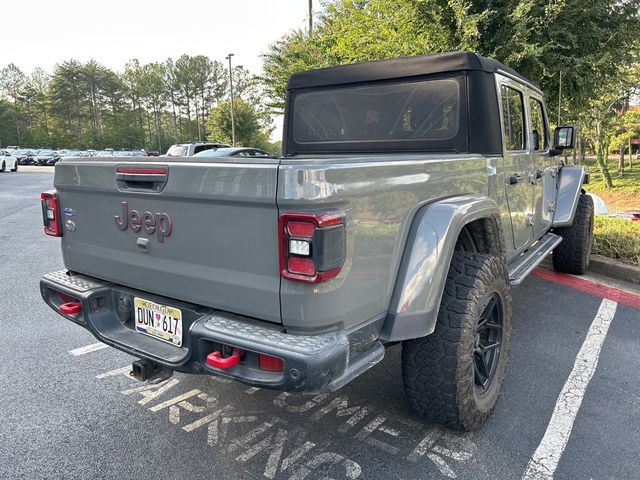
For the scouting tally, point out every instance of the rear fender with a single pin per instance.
(570, 181)
(425, 263)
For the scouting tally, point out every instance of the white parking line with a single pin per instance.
(545, 460)
(88, 349)
(118, 371)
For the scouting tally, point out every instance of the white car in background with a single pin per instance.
(8, 161)
(599, 207)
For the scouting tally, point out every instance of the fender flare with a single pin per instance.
(425, 263)
(570, 181)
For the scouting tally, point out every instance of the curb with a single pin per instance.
(614, 269)
(606, 267)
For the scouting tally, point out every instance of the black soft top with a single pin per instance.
(399, 68)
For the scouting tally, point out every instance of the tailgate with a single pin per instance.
(204, 231)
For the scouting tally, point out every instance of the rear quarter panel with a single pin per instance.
(380, 195)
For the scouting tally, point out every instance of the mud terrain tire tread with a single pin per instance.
(438, 370)
(573, 254)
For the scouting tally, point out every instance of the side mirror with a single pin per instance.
(564, 137)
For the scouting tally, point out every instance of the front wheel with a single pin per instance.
(2, 168)
(454, 376)
(573, 255)
(15, 167)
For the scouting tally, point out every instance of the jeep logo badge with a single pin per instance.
(158, 223)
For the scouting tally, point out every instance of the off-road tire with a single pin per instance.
(574, 252)
(438, 370)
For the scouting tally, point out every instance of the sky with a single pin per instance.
(41, 33)
(45, 32)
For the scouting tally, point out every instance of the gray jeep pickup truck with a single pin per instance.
(411, 195)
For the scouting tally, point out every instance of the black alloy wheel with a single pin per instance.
(486, 352)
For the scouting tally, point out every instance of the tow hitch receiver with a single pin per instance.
(215, 359)
(143, 370)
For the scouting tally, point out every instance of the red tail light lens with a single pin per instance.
(301, 229)
(301, 266)
(312, 245)
(51, 213)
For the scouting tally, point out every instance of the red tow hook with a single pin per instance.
(215, 359)
(70, 308)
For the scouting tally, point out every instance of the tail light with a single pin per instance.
(51, 213)
(312, 245)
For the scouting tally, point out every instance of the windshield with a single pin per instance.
(177, 151)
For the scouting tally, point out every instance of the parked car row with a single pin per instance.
(46, 156)
(49, 157)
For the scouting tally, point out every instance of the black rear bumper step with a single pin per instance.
(312, 363)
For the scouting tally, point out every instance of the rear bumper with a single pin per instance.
(312, 363)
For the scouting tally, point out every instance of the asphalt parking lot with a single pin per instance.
(569, 409)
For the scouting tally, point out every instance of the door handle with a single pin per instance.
(534, 177)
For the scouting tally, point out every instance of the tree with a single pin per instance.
(249, 131)
(7, 131)
(154, 95)
(86, 105)
(133, 89)
(628, 127)
(589, 43)
(358, 30)
(293, 53)
(599, 119)
(67, 92)
(12, 83)
(38, 85)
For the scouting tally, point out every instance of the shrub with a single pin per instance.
(617, 238)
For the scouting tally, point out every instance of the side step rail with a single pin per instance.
(530, 259)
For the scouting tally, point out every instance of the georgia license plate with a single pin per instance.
(159, 321)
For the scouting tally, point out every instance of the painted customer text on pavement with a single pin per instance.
(271, 446)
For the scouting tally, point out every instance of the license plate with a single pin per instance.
(159, 321)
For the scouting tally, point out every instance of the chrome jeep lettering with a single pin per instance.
(122, 221)
(159, 223)
(134, 218)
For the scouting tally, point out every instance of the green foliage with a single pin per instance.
(86, 105)
(592, 43)
(248, 128)
(628, 127)
(358, 30)
(7, 130)
(293, 53)
(588, 41)
(617, 238)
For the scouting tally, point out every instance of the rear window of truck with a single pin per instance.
(426, 110)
